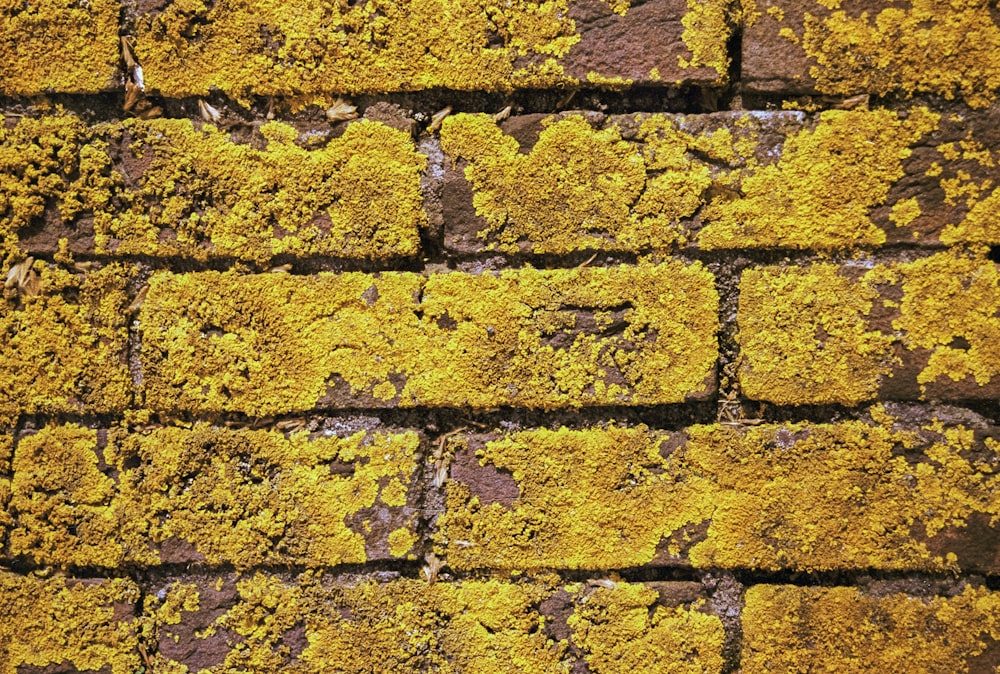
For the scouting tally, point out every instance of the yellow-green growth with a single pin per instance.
(947, 297)
(281, 48)
(707, 27)
(203, 195)
(248, 498)
(981, 224)
(840, 629)
(579, 187)
(65, 510)
(820, 192)
(273, 343)
(950, 49)
(602, 498)
(772, 497)
(48, 162)
(57, 46)
(58, 620)
(804, 338)
(620, 632)
(63, 350)
(821, 497)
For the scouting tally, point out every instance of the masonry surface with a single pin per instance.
(581, 336)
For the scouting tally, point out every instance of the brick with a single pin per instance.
(50, 46)
(894, 496)
(787, 628)
(302, 49)
(274, 343)
(103, 498)
(881, 48)
(172, 188)
(829, 334)
(266, 624)
(64, 624)
(63, 341)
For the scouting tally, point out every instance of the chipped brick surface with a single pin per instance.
(271, 343)
(829, 334)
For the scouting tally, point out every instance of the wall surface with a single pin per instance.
(471, 336)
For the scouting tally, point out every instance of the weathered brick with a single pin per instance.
(881, 47)
(99, 498)
(308, 50)
(813, 629)
(273, 343)
(50, 46)
(63, 340)
(829, 334)
(839, 180)
(266, 624)
(852, 495)
(172, 188)
(66, 625)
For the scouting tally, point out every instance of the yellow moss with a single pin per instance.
(904, 212)
(65, 509)
(54, 621)
(476, 627)
(63, 350)
(820, 192)
(621, 632)
(841, 629)
(804, 339)
(357, 196)
(952, 296)
(580, 187)
(811, 497)
(707, 26)
(57, 46)
(277, 48)
(401, 541)
(597, 499)
(272, 343)
(918, 47)
(46, 163)
(255, 497)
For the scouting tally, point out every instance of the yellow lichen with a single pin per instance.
(801, 496)
(919, 47)
(63, 350)
(840, 629)
(820, 192)
(247, 498)
(580, 187)
(981, 224)
(707, 26)
(401, 541)
(904, 212)
(276, 48)
(50, 45)
(947, 297)
(620, 632)
(65, 622)
(270, 343)
(804, 339)
(201, 194)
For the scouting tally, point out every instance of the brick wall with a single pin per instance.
(458, 336)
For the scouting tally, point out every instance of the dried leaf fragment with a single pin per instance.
(437, 118)
(341, 110)
(208, 113)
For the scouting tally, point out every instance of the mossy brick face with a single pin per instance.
(63, 350)
(811, 629)
(882, 48)
(52, 46)
(173, 188)
(67, 624)
(313, 50)
(275, 343)
(267, 624)
(813, 497)
(208, 495)
(827, 334)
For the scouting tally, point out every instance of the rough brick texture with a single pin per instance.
(575, 336)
